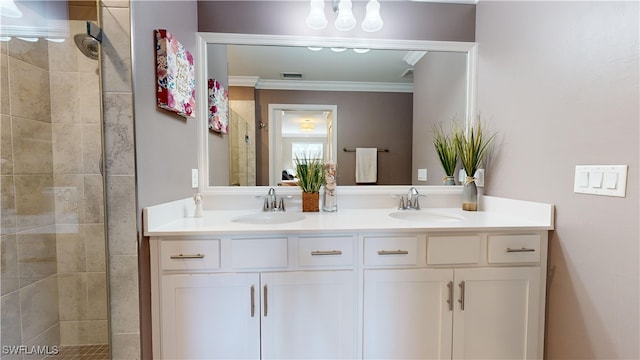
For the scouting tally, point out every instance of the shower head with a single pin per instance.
(87, 45)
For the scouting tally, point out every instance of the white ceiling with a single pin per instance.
(269, 62)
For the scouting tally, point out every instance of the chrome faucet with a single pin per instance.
(412, 202)
(271, 202)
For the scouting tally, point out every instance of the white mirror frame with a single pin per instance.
(204, 38)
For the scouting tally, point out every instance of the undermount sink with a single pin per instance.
(425, 216)
(270, 217)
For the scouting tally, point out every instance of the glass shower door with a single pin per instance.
(53, 286)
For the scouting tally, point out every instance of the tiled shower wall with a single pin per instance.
(121, 179)
(53, 240)
(29, 269)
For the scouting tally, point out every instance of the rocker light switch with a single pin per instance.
(606, 180)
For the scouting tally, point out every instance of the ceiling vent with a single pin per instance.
(291, 76)
(407, 74)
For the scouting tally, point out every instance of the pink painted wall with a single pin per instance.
(559, 81)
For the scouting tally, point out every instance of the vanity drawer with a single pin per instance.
(514, 249)
(259, 253)
(321, 251)
(190, 254)
(392, 250)
(442, 250)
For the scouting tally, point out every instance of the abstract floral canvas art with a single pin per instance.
(176, 84)
(218, 107)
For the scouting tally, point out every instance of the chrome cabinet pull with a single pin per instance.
(253, 301)
(192, 256)
(461, 300)
(266, 303)
(393, 252)
(326, 252)
(510, 250)
(450, 299)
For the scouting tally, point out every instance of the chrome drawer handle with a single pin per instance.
(329, 252)
(510, 250)
(393, 252)
(181, 256)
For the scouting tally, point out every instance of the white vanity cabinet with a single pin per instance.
(251, 298)
(466, 296)
(388, 295)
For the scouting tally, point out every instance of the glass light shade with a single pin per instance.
(361, 51)
(372, 21)
(345, 20)
(8, 8)
(316, 19)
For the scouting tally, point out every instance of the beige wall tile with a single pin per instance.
(39, 306)
(98, 331)
(29, 95)
(34, 201)
(62, 56)
(125, 346)
(121, 215)
(65, 97)
(97, 296)
(70, 251)
(68, 198)
(10, 323)
(73, 296)
(7, 205)
(34, 53)
(9, 264)
(90, 98)
(36, 256)
(93, 199)
(67, 148)
(50, 338)
(91, 148)
(4, 85)
(95, 247)
(32, 146)
(124, 294)
(6, 145)
(116, 49)
(118, 136)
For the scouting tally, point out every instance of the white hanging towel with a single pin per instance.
(366, 165)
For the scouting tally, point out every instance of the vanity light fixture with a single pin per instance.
(345, 20)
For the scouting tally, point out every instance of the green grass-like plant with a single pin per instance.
(473, 147)
(310, 174)
(447, 148)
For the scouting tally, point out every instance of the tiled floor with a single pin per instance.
(82, 352)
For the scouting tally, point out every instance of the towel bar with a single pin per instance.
(347, 149)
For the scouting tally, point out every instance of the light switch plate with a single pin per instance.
(194, 178)
(606, 180)
(422, 174)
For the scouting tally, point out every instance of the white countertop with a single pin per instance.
(505, 214)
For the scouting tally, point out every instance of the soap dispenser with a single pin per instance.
(197, 198)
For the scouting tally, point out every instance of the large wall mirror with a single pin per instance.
(290, 95)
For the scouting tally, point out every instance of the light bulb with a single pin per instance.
(345, 20)
(372, 21)
(316, 19)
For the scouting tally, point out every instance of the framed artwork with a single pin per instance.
(175, 75)
(218, 107)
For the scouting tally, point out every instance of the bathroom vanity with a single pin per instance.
(360, 283)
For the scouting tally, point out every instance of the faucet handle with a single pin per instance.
(401, 205)
(416, 203)
(281, 205)
(265, 205)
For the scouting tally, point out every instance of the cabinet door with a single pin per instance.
(407, 314)
(210, 316)
(496, 313)
(308, 315)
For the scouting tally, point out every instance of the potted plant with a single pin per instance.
(310, 174)
(447, 148)
(472, 149)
